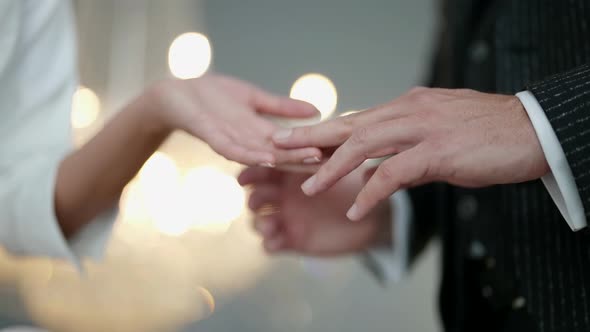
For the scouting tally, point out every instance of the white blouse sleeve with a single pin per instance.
(37, 81)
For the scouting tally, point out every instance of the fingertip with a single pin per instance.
(312, 160)
(309, 186)
(244, 178)
(354, 213)
(267, 164)
(268, 160)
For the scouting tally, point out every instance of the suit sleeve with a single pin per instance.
(565, 100)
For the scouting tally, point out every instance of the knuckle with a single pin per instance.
(447, 169)
(360, 137)
(304, 132)
(345, 127)
(432, 169)
(385, 173)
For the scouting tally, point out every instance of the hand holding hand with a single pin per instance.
(288, 220)
(462, 137)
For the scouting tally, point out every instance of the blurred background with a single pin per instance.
(183, 256)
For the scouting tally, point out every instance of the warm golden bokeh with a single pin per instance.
(317, 90)
(189, 55)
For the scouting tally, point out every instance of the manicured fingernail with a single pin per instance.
(275, 244)
(311, 160)
(308, 186)
(353, 213)
(268, 165)
(282, 135)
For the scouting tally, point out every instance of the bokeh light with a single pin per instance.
(318, 90)
(85, 108)
(189, 55)
(212, 199)
(158, 172)
(152, 196)
(203, 198)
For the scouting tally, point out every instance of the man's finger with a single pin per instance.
(368, 142)
(336, 131)
(326, 134)
(397, 172)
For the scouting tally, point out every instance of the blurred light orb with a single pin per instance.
(131, 205)
(189, 55)
(317, 90)
(212, 199)
(158, 184)
(159, 171)
(85, 108)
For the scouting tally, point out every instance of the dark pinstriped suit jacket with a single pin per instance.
(510, 261)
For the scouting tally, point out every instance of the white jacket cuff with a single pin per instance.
(560, 181)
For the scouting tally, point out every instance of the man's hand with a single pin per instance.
(462, 137)
(290, 221)
(228, 114)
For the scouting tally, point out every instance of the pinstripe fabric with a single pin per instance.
(533, 273)
(565, 98)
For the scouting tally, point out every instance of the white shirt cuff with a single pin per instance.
(37, 230)
(560, 181)
(392, 263)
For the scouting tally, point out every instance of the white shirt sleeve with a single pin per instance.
(37, 81)
(392, 263)
(560, 181)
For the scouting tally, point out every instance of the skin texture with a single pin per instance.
(288, 220)
(462, 137)
(224, 112)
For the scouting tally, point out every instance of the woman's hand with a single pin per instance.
(228, 114)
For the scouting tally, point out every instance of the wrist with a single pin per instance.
(151, 109)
